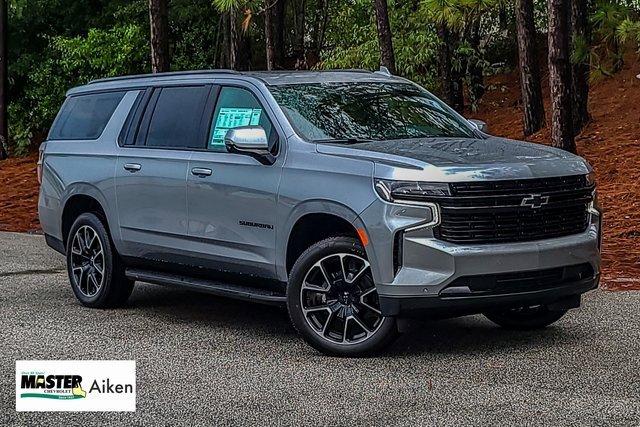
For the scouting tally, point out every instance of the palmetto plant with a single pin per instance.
(606, 55)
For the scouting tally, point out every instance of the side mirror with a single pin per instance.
(479, 124)
(251, 141)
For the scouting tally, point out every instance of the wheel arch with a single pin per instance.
(311, 222)
(82, 198)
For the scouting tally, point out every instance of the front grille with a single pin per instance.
(493, 211)
(524, 281)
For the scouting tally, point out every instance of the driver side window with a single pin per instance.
(237, 107)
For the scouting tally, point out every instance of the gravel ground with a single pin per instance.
(203, 360)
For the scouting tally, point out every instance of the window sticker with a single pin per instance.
(230, 118)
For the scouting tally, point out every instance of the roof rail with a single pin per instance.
(168, 74)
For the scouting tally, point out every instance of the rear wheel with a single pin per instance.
(523, 318)
(95, 271)
(333, 303)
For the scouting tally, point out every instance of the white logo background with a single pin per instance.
(117, 371)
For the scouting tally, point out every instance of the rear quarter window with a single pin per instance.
(85, 116)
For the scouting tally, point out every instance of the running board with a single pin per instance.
(208, 286)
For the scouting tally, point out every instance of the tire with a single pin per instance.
(525, 318)
(322, 301)
(95, 270)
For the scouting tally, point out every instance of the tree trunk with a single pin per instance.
(387, 57)
(233, 39)
(580, 70)
(560, 76)
(226, 42)
(444, 62)
(278, 35)
(532, 105)
(476, 77)
(159, 19)
(320, 24)
(4, 84)
(298, 41)
(268, 38)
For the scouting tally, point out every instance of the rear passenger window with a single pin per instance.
(237, 107)
(177, 117)
(85, 116)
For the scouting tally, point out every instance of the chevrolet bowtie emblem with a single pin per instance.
(535, 201)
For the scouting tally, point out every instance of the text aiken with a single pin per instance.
(107, 387)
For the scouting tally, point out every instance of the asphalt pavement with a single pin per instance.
(204, 360)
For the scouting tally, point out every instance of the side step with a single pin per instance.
(208, 286)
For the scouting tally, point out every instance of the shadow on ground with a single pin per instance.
(470, 335)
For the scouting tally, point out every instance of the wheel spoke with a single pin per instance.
(358, 274)
(316, 309)
(80, 243)
(93, 238)
(362, 325)
(367, 305)
(342, 270)
(328, 322)
(344, 332)
(92, 276)
(81, 273)
(311, 287)
(325, 275)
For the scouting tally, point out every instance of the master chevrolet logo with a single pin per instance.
(535, 201)
(53, 386)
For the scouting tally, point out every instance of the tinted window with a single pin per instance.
(331, 112)
(177, 117)
(237, 107)
(85, 116)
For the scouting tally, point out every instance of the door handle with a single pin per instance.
(201, 172)
(132, 167)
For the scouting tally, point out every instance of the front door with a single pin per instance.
(151, 173)
(232, 197)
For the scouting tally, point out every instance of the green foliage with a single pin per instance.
(629, 32)
(57, 44)
(612, 26)
(353, 41)
(71, 61)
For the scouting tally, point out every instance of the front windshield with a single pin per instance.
(352, 112)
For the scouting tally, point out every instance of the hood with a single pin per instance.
(451, 159)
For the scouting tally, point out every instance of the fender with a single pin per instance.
(315, 206)
(85, 189)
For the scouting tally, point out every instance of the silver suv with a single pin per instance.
(357, 199)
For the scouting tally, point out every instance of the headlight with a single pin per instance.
(392, 191)
(591, 178)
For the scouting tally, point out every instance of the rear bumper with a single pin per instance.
(565, 296)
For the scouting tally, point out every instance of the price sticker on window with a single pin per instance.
(230, 118)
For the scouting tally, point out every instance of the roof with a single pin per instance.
(267, 77)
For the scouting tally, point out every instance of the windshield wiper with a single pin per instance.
(346, 141)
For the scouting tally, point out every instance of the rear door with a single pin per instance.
(151, 171)
(232, 197)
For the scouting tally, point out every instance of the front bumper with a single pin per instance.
(412, 283)
(566, 296)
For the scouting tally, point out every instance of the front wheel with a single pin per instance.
(524, 318)
(333, 302)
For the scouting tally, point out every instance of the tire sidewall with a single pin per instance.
(385, 333)
(94, 222)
